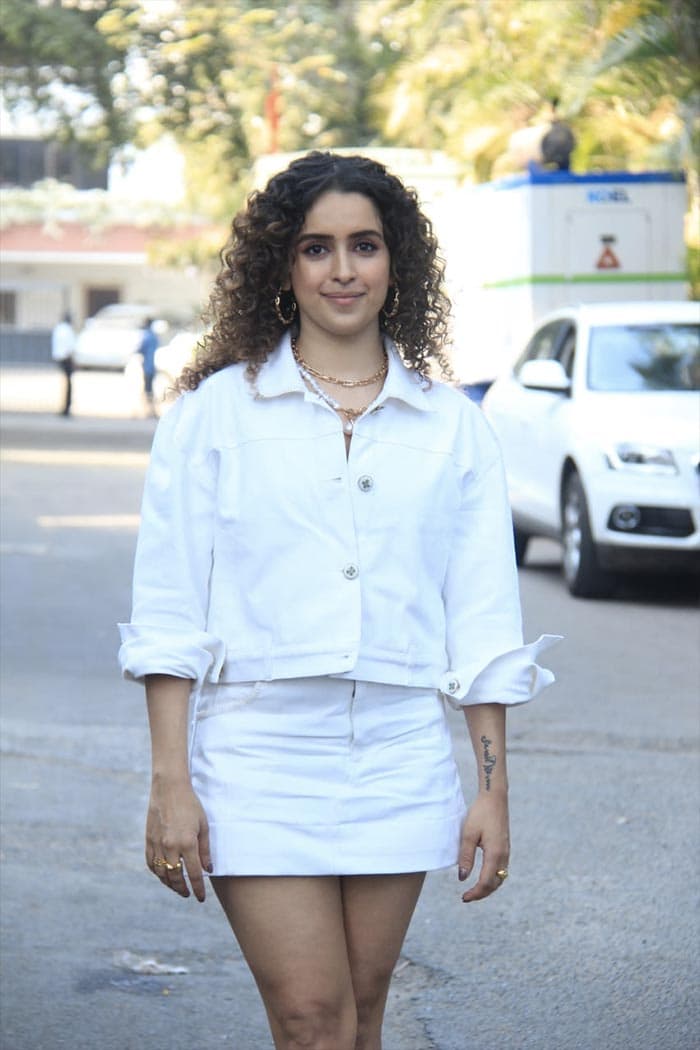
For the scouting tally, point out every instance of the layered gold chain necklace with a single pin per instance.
(379, 374)
(311, 376)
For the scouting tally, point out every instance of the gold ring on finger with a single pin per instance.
(161, 862)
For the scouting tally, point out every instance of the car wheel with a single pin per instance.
(521, 540)
(583, 575)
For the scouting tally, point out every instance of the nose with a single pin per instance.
(344, 269)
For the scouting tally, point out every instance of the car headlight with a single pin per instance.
(650, 459)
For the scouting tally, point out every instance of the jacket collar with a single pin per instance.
(280, 375)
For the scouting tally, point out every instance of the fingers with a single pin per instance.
(193, 861)
(494, 872)
(494, 869)
(467, 856)
(175, 878)
(483, 888)
(170, 872)
(198, 862)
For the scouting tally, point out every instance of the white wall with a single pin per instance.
(44, 289)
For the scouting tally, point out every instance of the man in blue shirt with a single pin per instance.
(147, 349)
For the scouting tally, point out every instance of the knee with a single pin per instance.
(317, 1025)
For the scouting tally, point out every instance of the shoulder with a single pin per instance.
(203, 419)
(450, 401)
(466, 420)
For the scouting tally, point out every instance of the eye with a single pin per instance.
(367, 247)
(314, 250)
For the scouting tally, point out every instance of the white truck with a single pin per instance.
(525, 245)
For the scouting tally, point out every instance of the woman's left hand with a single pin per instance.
(485, 827)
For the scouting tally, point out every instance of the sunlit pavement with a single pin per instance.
(40, 389)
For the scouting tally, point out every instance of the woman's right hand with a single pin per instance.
(177, 837)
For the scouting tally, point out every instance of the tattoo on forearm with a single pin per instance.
(489, 762)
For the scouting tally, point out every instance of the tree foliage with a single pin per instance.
(235, 78)
(480, 71)
(54, 58)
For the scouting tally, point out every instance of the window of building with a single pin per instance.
(96, 298)
(8, 308)
(25, 161)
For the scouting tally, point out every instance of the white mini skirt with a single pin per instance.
(325, 776)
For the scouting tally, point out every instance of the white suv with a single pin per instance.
(599, 421)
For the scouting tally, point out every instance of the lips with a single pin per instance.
(343, 300)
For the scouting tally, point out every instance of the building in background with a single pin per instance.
(53, 267)
(75, 239)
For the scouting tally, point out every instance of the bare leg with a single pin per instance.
(322, 951)
(291, 932)
(378, 910)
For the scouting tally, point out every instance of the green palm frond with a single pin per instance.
(649, 38)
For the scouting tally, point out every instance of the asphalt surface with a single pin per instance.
(593, 941)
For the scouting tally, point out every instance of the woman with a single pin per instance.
(325, 554)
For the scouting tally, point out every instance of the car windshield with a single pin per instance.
(644, 357)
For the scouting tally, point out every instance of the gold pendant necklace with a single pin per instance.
(378, 375)
(350, 415)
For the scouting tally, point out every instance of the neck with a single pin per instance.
(345, 358)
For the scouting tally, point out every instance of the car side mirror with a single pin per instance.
(545, 375)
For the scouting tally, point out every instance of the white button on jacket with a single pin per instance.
(264, 552)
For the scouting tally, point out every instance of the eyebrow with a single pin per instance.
(330, 236)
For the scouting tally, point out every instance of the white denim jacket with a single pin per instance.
(265, 552)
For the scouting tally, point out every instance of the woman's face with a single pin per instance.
(340, 269)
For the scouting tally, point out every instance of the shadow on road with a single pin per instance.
(677, 590)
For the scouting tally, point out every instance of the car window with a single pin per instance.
(567, 350)
(543, 345)
(644, 357)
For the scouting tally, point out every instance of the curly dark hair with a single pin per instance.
(256, 259)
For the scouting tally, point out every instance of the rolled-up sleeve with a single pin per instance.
(168, 629)
(487, 660)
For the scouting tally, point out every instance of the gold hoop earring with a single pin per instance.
(394, 306)
(278, 309)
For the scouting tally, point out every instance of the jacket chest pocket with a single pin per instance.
(420, 490)
(263, 480)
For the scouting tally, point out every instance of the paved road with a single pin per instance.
(592, 942)
(101, 395)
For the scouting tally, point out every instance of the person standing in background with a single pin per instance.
(147, 349)
(62, 351)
